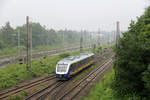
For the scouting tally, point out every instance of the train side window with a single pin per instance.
(74, 67)
(77, 64)
(86, 60)
(89, 59)
(80, 63)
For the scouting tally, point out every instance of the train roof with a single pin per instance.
(73, 59)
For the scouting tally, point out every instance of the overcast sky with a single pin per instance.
(72, 14)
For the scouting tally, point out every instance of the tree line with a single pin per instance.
(40, 36)
(132, 63)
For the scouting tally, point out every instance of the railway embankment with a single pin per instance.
(102, 89)
(40, 72)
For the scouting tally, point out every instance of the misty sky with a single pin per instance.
(72, 14)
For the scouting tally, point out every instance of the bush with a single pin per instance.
(63, 55)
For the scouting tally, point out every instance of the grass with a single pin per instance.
(103, 91)
(13, 74)
(14, 50)
(22, 49)
(9, 51)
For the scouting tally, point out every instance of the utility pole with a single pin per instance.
(90, 39)
(63, 38)
(18, 42)
(81, 41)
(114, 37)
(108, 38)
(30, 44)
(99, 41)
(98, 38)
(28, 58)
(117, 33)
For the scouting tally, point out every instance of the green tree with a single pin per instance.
(132, 74)
(8, 35)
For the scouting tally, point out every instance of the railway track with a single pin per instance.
(52, 88)
(5, 94)
(78, 87)
(11, 60)
(45, 91)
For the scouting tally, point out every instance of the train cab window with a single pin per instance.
(78, 64)
(72, 67)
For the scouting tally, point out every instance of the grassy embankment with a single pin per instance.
(13, 74)
(15, 50)
(22, 49)
(103, 91)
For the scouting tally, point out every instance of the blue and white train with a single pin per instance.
(71, 65)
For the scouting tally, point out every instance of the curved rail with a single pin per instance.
(41, 93)
(13, 91)
(86, 80)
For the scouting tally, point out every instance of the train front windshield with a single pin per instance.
(62, 67)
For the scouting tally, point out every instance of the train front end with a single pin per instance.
(62, 71)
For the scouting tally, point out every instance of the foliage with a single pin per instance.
(63, 55)
(40, 36)
(8, 35)
(13, 50)
(13, 74)
(43, 37)
(103, 90)
(132, 71)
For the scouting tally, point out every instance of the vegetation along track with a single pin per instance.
(18, 89)
(54, 88)
(51, 87)
(39, 95)
(11, 60)
(79, 86)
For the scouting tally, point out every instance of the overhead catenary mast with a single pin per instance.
(28, 58)
(18, 42)
(90, 39)
(99, 44)
(117, 33)
(81, 41)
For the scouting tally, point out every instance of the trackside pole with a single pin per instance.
(117, 33)
(28, 58)
(81, 42)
